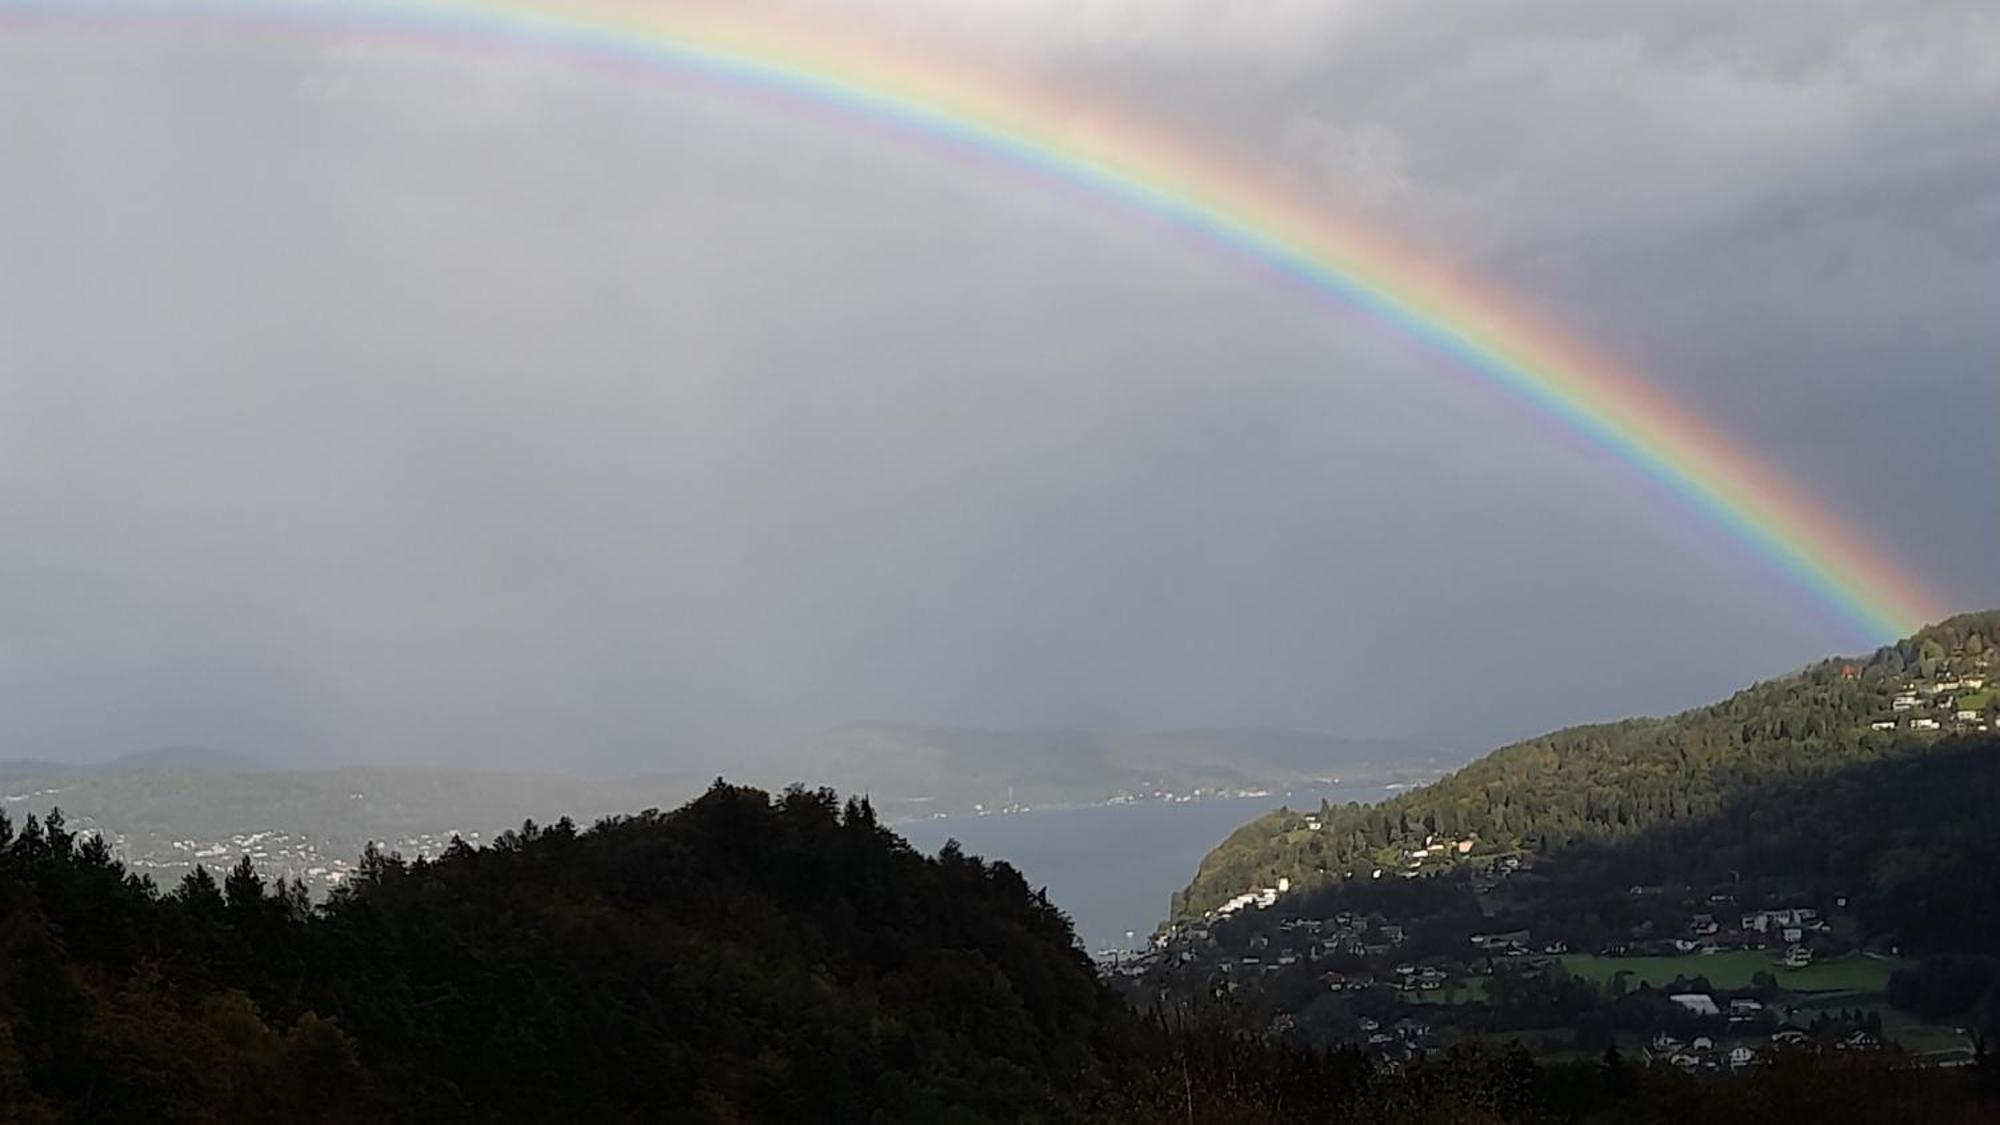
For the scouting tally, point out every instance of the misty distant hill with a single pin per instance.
(186, 758)
(919, 771)
(162, 758)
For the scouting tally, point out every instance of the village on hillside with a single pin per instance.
(1722, 985)
(1431, 948)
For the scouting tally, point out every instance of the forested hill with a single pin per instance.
(742, 958)
(1797, 745)
(745, 958)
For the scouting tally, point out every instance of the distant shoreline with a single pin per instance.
(1197, 796)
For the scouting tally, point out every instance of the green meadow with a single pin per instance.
(1853, 973)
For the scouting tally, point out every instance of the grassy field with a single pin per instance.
(1853, 973)
(1854, 979)
(1915, 1035)
(1854, 982)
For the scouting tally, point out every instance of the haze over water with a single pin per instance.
(1112, 868)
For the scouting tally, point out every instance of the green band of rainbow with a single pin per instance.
(1503, 346)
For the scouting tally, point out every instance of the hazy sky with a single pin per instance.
(362, 399)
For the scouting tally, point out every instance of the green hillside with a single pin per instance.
(1766, 773)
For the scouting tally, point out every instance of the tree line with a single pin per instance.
(748, 957)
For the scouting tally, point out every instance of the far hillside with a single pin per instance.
(1806, 774)
(915, 771)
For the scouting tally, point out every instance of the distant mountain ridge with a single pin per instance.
(912, 770)
(160, 758)
(186, 758)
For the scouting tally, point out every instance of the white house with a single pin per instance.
(1700, 1003)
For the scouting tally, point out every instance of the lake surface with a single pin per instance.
(1112, 868)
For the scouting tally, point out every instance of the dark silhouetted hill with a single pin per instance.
(745, 958)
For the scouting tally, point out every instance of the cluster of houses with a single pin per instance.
(1295, 961)
(1435, 851)
(1790, 929)
(1304, 941)
(1949, 703)
(1436, 848)
(1260, 898)
(1404, 1038)
(274, 852)
(1701, 1052)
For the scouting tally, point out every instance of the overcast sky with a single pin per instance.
(368, 400)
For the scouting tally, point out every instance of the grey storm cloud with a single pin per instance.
(364, 400)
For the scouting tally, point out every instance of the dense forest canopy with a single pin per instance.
(785, 958)
(745, 958)
(1874, 770)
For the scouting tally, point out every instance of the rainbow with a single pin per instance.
(1115, 160)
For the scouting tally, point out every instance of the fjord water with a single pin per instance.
(1112, 868)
